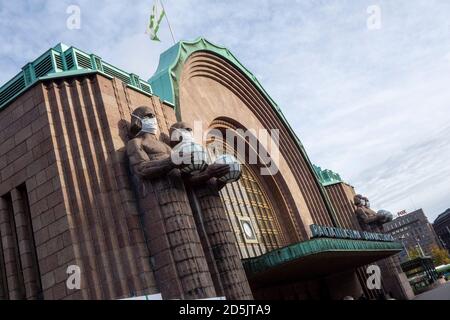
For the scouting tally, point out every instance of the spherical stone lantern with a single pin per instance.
(235, 168)
(388, 216)
(191, 156)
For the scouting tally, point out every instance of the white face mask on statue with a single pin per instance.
(148, 125)
(184, 135)
(187, 136)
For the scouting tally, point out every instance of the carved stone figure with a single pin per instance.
(395, 280)
(368, 219)
(218, 239)
(181, 135)
(179, 262)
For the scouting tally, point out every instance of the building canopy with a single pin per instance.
(316, 258)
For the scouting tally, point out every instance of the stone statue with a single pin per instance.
(218, 239)
(179, 263)
(191, 243)
(181, 134)
(394, 280)
(368, 219)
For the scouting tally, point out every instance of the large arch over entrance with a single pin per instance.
(259, 196)
(206, 82)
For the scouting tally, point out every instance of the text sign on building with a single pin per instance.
(339, 233)
(401, 213)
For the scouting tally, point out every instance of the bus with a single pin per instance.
(444, 270)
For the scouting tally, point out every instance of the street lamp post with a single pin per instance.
(404, 247)
(420, 247)
(444, 244)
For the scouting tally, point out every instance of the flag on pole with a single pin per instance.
(155, 21)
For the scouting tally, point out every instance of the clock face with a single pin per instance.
(248, 230)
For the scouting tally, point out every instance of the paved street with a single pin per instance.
(440, 293)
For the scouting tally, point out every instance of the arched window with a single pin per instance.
(251, 216)
(250, 213)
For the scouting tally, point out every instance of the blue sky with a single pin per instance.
(373, 105)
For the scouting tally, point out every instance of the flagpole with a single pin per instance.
(167, 19)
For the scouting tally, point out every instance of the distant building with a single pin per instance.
(414, 230)
(442, 228)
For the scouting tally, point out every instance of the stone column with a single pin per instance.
(179, 262)
(394, 279)
(14, 276)
(177, 257)
(28, 259)
(223, 244)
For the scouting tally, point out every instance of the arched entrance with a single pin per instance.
(255, 209)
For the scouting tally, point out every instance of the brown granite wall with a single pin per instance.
(63, 142)
(341, 196)
(28, 162)
(225, 263)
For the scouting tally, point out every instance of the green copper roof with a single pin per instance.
(64, 61)
(293, 252)
(327, 177)
(165, 81)
(165, 84)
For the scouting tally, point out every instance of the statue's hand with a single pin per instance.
(212, 171)
(179, 159)
(217, 170)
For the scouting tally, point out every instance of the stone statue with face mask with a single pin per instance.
(168, 221)
(368, 219)
(181, 135)
(149, 157)
(219, 241)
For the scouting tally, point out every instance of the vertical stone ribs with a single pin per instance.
(180, 264)
(19, 269)
(10, 245)
(103, 228)
(27, 247)
(222, 241)
(4, 292)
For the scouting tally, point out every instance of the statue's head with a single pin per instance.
(192, 156)
(143, 120)
(180, 132)
(361, 201)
